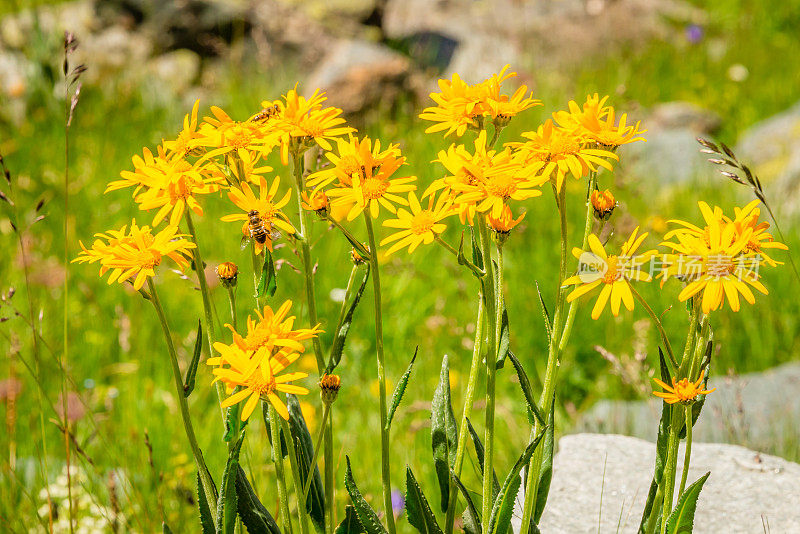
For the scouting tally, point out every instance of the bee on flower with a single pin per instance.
(187, 141)
(133, 254)
(221, 135)
(264, 208)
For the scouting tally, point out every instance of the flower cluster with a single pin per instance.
(253, 362)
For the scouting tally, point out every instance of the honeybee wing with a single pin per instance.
(245, 242)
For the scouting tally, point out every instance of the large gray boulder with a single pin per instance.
(746, 491)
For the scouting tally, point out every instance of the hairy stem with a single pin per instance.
(277, 459)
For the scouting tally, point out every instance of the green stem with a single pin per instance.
(302, 516)
(461, 258)
(688, 452)
(657, 322)
(587, 229)
(350, 237)
(325, 411)
(690, 336)
(277, 459)
(548, 389)
(201, 277)
(329, 475)
(205, 478)
(669, 468)
(376, 287)
(489, 286)
(461, 448)
(232, 302)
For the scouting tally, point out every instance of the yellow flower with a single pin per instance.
(272, 329)
(317, 201)
(186, 142)
(268, 209)
(603, 204)
(612, 272)
(305, 121)
(719, 260)
(136, 252)
(597, 123)
(224, 135)
(355, 157)
(257, 374)
(682, 391)
(760, 239)
(370, 180)
(503, 225)
(554, 150)
(418, 226)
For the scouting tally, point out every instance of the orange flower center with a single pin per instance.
(502, 186)
(238, 137)
(422, 222)
(257, 384)
(612, 273)
(374, 188)
(685, 390)
(148, 258)
(562, 145)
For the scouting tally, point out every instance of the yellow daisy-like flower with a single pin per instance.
(718, 260)
(611, 272)
(258, 376)
(506, 222)
(223, 135)
(596, 121)
(187, 141)
(371, 183)
(355, 157)
(683, 391)
(268, 208)
(271, 329)
(135, 253)
(305, 121)
(419, 225)
(557, 151)
(760, 240)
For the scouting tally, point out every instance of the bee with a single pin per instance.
(266, 113)
(257, 230)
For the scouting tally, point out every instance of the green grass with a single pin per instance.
(116, 346)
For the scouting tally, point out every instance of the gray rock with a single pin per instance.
(19, 30)
(746, 489)
(111, 53)
(173, 73)
(758, 410)
(683, 115)
(360, 74)
(670, 157)
(772, 149)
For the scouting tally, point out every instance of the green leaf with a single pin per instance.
(662, 440)
(545, 313)
(471, 518)
(681, 520)
(525, 384)
(227, 506)
(268, 282)
(476, 440)
(267, 426)
(505, 339)
(191, 372)
(477, 255)
(204, 501)
(400, 389)
(165, 528)
(232, 421)
(366, 515)
(546, 472)
(418, 510)
(344, 326)
(503, 507)
(254, 515)
(350, 524)
(315, 502)
(444, 433)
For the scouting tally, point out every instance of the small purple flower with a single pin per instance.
(694, 33)
(398, 503)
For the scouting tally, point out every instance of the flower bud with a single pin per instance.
(227, 273)
(329, 387)
(603, 204)
(503, 225)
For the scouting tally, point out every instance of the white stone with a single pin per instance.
(746, 489)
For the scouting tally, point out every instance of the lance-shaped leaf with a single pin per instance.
(444, 433)
(476, 440)
(650, 506)
(546, 472)
(545, 314)
(191, 372)
(504, 342)
(206, 520)
(344, 325)
(503, 507)
(400, 389)
(254, 515)
(366, 515)
(525, 385)
(350, 524)
(232, 422)
(419, 511)
(471, 518)
(681, 520)
(268, 282)
(227, 506)
(315, 502)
